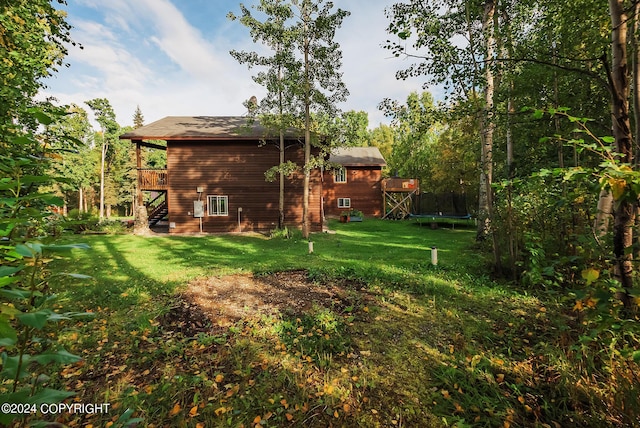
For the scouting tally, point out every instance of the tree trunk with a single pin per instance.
(281, 195)
(141, 222)
(604, 213)
(102, 161)
(485, 206)
(624, 209)
(307, 128)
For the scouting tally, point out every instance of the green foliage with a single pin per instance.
(34, 35)
(27, 310)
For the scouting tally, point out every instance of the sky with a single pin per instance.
(171, 58)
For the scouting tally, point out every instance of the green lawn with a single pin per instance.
(409, 344)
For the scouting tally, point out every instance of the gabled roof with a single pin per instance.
(205, 128)
(357, 156)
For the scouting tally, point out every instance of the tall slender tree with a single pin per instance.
(277, 109)
(303, 76)
(106, 117)
(624, 207)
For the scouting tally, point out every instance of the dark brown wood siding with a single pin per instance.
(235, 169)
(363, 187)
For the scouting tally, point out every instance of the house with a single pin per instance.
(215, 175)
(355, 183)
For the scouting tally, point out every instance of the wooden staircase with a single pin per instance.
(158, 213)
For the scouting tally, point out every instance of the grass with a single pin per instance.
(410, 344)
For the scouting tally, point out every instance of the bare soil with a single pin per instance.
(218, 302)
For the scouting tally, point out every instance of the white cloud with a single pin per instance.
(147, 53)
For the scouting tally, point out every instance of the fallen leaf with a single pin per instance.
(257, 420)
(289, 416)
(175, 410)
(500, 377)
(194, 411)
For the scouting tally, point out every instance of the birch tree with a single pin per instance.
(624, 207)
(311, 59)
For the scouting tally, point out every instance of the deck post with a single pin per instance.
(139, 200)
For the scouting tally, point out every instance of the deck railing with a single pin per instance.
(153, 179)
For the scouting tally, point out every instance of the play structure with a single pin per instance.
(397, 194)
(403, 199)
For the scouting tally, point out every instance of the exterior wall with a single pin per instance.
(363, 187)
(235, 169)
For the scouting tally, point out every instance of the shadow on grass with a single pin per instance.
(420, 343)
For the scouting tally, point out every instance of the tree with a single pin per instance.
(277, 110)
(383, 138)
(138, 118)
(304, 72)
(433, 29)
(106, 117)
(416, 131)
(71, 137)
(624, 207)
(32, 46)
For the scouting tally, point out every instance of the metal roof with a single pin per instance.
(357, 156)
(205, 128)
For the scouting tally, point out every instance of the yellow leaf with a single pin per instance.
(199, 425)
(521, 399)
(591, 302)
(500, 377)
(175, 410)
(617, 186)
(194, 411)
(108, 424)
(284, 403)
(336, 414)
(257, 419)
(458, 407)
(346, 407)
(220, 410)
(578, 306)
(289, 416)
(590, 275)
(445, 394)
(219, 378)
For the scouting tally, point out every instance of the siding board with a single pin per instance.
(235, 169)
(363, 187)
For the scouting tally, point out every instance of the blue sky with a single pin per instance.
(171, 57)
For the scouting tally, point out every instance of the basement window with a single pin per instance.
(218, 205)
(340, 175)
(344, 202)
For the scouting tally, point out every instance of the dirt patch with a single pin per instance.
(213, 302)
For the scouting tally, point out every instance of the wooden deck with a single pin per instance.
(153, 179)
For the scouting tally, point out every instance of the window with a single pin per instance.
(340, 175)
(218, 205)
(344, 202)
